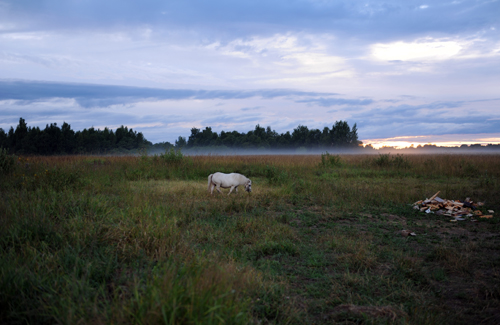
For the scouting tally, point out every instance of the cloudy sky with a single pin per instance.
(404, 71)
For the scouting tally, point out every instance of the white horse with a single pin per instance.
(232, 181)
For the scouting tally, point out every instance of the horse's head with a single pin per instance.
(248, 186)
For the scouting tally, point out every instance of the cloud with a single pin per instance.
(250, 108)
(91, 95)
(435, 118)
(426, 49)
(405, 112)
(387, 19)
(284, 57)
(327, 102)
(230, 119)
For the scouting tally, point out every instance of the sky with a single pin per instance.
(406, 72)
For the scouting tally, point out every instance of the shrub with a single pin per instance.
(400, 162)
(328, 160)
(383, 160)
(172, 156)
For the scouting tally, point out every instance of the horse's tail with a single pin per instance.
(210, 181)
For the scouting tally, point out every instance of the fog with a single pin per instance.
(340, 151)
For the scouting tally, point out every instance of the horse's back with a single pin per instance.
(227, 180)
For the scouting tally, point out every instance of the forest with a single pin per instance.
(340, 135)
(55, 140)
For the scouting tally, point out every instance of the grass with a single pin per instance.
(88, 239)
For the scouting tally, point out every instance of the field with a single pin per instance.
(89, 239)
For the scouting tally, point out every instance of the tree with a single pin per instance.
(260, 132)
(313, 138)
(326, 138)
(354, 137)
(192, 140)
(299, 136)
(285, 140)
(19, 134)
(68, 141)
(208, 137)
(340, 135)
(180, 142)
(3, 139)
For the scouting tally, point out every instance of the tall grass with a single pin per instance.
(138, 239)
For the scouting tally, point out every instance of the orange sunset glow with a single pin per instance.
(449, 140)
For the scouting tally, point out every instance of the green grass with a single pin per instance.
(140, 240)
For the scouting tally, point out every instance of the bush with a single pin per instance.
(385, 160)
(172, 156)
(400, 162)
(328, 160)
(7, 162)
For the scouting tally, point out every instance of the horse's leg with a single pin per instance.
(232, 188)
(218, 188)
(236, 189)
(212, 188)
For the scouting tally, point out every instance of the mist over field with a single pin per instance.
(318, 151)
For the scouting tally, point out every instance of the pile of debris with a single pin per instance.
(452, 208)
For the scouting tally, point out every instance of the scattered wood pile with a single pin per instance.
(452, 208)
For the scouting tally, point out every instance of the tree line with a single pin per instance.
(52, 140)
(55, 140)
(339, 136)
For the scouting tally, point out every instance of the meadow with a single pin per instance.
(138, 239)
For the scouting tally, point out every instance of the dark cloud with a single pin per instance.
(227, 119)
(436, 118)
(90, 95)
(156, 128)
(327, 102)
(484, 100)
(417, 128)
(382, 20)
(250, 108)
(347, 109)
(406, 111)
